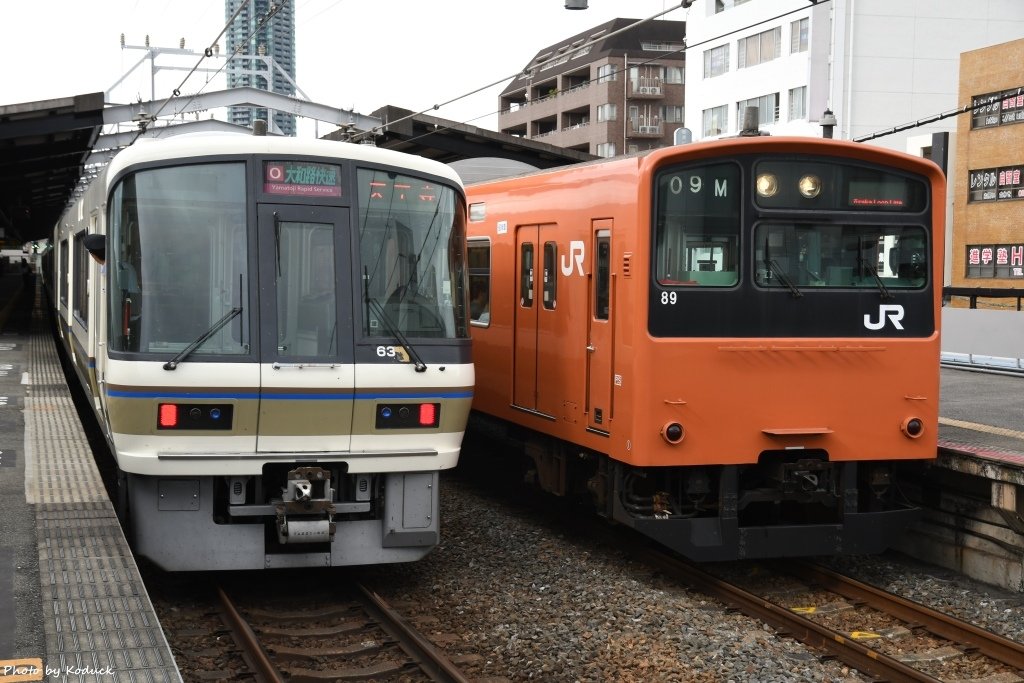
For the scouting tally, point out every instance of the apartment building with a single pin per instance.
(606, 91)
(988, 176)
(263, 57)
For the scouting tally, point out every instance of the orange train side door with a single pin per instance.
(534, 343)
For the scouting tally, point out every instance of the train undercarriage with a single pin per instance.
(791, 503)
(289, 516)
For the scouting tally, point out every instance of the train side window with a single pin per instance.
(64, 271)
(80, 291)
(526, 275)
(478, 253)
(550, 284)
(602, 283)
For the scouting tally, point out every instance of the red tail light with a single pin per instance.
(168, 416)
(428, 414)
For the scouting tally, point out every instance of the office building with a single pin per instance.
(988, 176)
(875, 64)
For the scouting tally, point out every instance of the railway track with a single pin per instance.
(346, 633)
(880, 634)
(357, 638)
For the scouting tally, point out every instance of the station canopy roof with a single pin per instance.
(47, 146)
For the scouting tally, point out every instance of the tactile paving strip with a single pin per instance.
(100, 625)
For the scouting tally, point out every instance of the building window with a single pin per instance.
(798, 35)
(722, 5)
(606, 73)
(798, 103)
(715, 120)
(716, 61)
(995, 261)
(994, 184)
(606, 112)
(674, 75)
(997, 109)
(672, 114)
(767, 108)
(606, 150)
(760, 48)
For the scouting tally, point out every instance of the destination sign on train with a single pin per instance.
(403, 190)
(301, 179)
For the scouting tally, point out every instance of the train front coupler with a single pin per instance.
(305, 513)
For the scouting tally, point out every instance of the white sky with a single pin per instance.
(350, 54)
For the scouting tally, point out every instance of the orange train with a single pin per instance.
(729, 346)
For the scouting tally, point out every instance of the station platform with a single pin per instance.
(973, 494)
(73, 606)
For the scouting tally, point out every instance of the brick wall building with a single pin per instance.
(988, 174)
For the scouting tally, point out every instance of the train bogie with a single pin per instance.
(708, 350)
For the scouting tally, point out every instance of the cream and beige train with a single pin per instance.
(273, 334)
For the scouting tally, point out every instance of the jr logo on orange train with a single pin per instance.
(894, 312)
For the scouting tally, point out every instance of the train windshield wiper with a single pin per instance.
(886, 294)
(774, 267)
(187, 351)
(394, 331)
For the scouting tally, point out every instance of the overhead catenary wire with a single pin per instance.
(207, 53)
(931, 119)
(683, 49)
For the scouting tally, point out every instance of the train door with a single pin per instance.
(524, 343)
(536, 340)
(307, 374)
(599, 335)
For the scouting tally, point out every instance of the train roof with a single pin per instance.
(199, 145)
(726, 146)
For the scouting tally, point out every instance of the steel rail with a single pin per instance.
(990, 644)
(786, 622)
(427, 656)
(246, 639)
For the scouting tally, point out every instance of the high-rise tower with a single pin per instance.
(262, 53)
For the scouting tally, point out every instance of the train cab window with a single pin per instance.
(479, 257)
(840, 256)
(412, 242)
(178, 261)
(697, 226)
(526, 275)
(550, 273)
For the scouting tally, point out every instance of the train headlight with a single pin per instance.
(913, 427)
(767, 184)
(810, 186)
(673, 432)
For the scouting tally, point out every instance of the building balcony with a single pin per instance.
(646, 89)
(642, 129)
